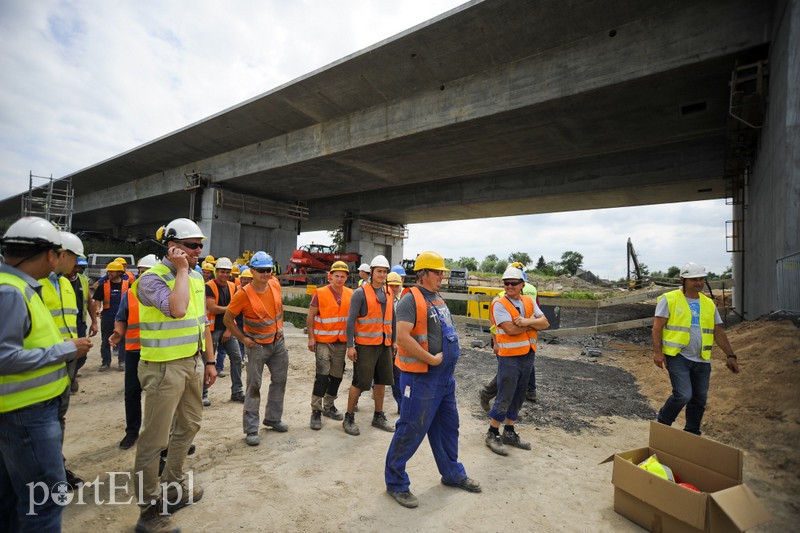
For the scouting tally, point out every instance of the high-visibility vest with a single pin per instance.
(165, 338)
(215, 289)
(259, 323)
(107, 292)
(676, 333)
(330, 324)
(130, 276)
(514, 345)
(132, 343)
(419, 333)
(374, 329)
(86, 296)
(63, 308)
(33, 386)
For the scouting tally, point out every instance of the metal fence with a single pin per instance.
(788, 274)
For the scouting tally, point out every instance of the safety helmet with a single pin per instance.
(379, 261)
(224, 262)
(33, 230)
(180, 228)
(513, 273)
(82, 262)
(72, 243)
(261, 260)
(210, 259)
(340, 266)
(693, 270)
(364, 267)
(393, 279)
(247, 274)
(517, 264)
(400, 271)
(121, 260)
(234, 269)
(242, 268)
(198, 269)
(115, 266)
(429, 260)
(207, 266)
(148, 261)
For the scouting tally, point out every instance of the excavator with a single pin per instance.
(310, 263)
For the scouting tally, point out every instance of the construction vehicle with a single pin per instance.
(635, 277)
(99, 262)
(310, 263)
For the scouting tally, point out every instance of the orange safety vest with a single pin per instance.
(132, 342)
(107, 292)
(330, 324)
(511, 345)
(419, 333)
(130, 276)
(261, 324)
(374, 329)
(215, 289)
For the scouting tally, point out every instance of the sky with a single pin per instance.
(84, 81)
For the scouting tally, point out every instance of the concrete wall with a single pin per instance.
(772, 218)
(369, 245)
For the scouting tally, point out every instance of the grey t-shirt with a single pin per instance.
(358, 307)
(407, 312)
(694, 349)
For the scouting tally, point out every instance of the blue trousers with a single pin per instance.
(513, 374)
(106, 329)
(690, 381)
(30, 452)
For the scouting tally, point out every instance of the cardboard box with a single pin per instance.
(657, 504)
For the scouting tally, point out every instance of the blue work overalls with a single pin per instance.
(428, 408)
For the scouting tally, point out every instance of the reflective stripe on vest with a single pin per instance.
(132, 342)
(374, 329)
(330, 324)
(63, 307)
(514, 345)
(212, 318)
(419, 333)
(259, 323)
(164, 338)
(107, 292)
(677, 331)
(33, 386)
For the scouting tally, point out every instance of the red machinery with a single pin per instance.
(310, 263)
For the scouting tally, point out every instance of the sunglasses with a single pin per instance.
(262, 270)
(191, 245)
(513, 283)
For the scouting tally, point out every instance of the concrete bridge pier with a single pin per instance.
(371, 238)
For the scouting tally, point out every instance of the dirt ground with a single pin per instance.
(325, 481)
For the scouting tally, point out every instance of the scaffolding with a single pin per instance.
(51, 201)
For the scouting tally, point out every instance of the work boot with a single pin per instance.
(495, 443)
(512, 439)
(405, 498)
(280, 427)
(252, 439)
(333, 413)
(206, 401)
(316, 419)
(349, 424)
(182, 497)
(468, 484)
(152, 521)
(121, 366)
(379, 421)
(531, 396)
(73, 386)
(129, 440)
(237, 397)
(486, 402)
(104, 368)
(73, 480)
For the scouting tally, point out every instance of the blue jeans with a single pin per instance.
(689, 388)
(513, 375)
(133, 393)
(30, 452)
(106, 329)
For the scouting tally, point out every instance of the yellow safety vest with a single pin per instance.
(86, 296)
(675, 335)
(64, 309)
(164, 338)
(33, 386)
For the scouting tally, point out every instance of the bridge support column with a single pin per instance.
(370, 238)
(233, 223)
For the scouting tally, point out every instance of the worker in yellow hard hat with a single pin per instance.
(210, 259)
(245, 278)
(208, 271)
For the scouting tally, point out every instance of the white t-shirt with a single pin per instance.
(693, 350)
(501, 314)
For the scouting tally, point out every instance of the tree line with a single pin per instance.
(569, 264)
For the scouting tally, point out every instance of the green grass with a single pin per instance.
(298, 319)
(579, 295)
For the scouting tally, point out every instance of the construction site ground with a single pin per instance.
(588, 408)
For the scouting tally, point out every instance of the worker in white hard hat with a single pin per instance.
(363, 273)
(517, 320)
(370, 344)
(327, 339)
(146, 263)
(176, 359)
(219, 292)
(86, 308)
(34, 374)
(686, 326)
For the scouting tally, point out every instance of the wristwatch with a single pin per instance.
(209, 363)
(732, 356)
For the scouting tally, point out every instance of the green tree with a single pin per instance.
(470, 263)
(500, 266)
(337, 240)
(673, 272)
(571, 261)
(522, 257)
(541, 264)
(488, 263)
